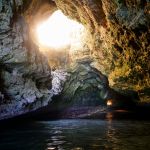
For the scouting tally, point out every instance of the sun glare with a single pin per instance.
(58, 31)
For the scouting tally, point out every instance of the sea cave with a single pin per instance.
(74, 71)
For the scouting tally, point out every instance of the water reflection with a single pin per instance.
(112, 140)
(56, 141)
(78, 135)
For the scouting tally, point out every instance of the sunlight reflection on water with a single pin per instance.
(78, 135)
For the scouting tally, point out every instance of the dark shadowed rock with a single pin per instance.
(85, 86)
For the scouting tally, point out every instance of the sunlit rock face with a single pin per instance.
(119, 39)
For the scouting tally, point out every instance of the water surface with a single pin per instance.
(77, 135)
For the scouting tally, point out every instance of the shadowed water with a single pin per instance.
(77, 135)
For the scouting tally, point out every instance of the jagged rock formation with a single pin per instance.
(118, 42)
(119, 39)
(25, 76)
(86, 86)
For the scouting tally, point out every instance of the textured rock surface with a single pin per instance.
(25, 77)
(85, 86)
(119, 40)
(88, 87)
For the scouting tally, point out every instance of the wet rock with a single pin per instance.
(85, 86)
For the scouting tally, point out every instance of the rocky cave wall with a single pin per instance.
(25, 76)
(118, 40)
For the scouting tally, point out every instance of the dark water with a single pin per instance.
(77, 135)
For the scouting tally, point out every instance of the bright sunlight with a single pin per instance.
(58, 31)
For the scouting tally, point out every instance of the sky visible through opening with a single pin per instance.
(58, 31)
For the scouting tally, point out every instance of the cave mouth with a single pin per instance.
(58, 32)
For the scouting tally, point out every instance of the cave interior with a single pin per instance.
(73, 56)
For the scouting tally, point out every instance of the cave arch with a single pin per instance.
(111, 24)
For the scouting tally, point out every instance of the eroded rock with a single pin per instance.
(118, 42)
(85, 86)
(119, 39)
(25, 76)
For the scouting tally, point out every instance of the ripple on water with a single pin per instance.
(78, 135)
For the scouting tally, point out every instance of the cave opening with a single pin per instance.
(60, 38)
(98, 68)
(58, 31)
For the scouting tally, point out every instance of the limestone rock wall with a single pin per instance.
(25, 76)
(85, 86)
(119, 39)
